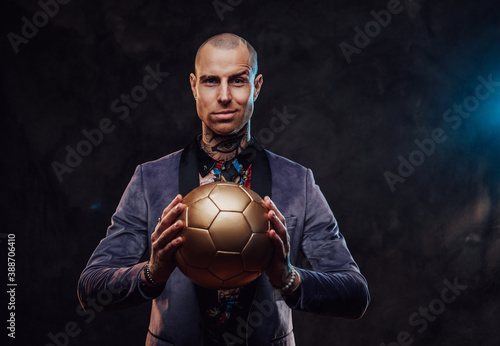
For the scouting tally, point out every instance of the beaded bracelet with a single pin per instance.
(149, 279)
(148, 291)
(290, 283)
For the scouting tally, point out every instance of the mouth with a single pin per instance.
(225, 114)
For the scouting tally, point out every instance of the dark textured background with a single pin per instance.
(352, 122)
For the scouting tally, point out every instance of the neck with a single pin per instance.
(224, 148)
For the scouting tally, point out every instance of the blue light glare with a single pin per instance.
(488, 116)
(96, 206)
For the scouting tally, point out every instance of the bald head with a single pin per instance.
(228, 41)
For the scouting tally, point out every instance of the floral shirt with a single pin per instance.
(224, 310)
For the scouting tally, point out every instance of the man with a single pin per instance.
(225, 86)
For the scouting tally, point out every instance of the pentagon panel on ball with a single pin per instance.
(226, 244)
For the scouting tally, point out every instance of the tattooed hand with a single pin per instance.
(164, 242)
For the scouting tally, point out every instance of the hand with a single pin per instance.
(165, 243)
(279, 270)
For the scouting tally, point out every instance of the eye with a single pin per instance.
(238, 81)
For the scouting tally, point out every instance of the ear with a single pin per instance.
(192, 81)
(257, 85)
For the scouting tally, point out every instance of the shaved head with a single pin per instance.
(225, 86)
(228, 41)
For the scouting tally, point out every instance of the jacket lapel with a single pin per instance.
(188, 169)
(261, 172)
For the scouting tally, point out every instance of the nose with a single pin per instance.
(224, 94)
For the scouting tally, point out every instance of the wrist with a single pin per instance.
(147, 290)
(149, 279)
(291, 283)
(292, 286)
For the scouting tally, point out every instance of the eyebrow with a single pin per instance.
(236, 75)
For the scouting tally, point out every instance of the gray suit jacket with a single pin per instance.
(333, 286)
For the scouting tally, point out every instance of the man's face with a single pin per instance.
(224, 88)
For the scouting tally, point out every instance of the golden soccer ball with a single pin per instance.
(226, 244)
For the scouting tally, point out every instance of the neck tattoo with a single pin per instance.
(224, 148)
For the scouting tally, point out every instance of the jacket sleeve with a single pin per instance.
(335, 285)
(110, 279)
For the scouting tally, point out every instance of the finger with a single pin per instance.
(167, 220)
(164, 239)
(171, 247)
(172, 204)
(162, 262)
(177, 199)
(276, 222)
(172, 214)
(284, 244)
(271, 206)
(278, 225)
(279, 248)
